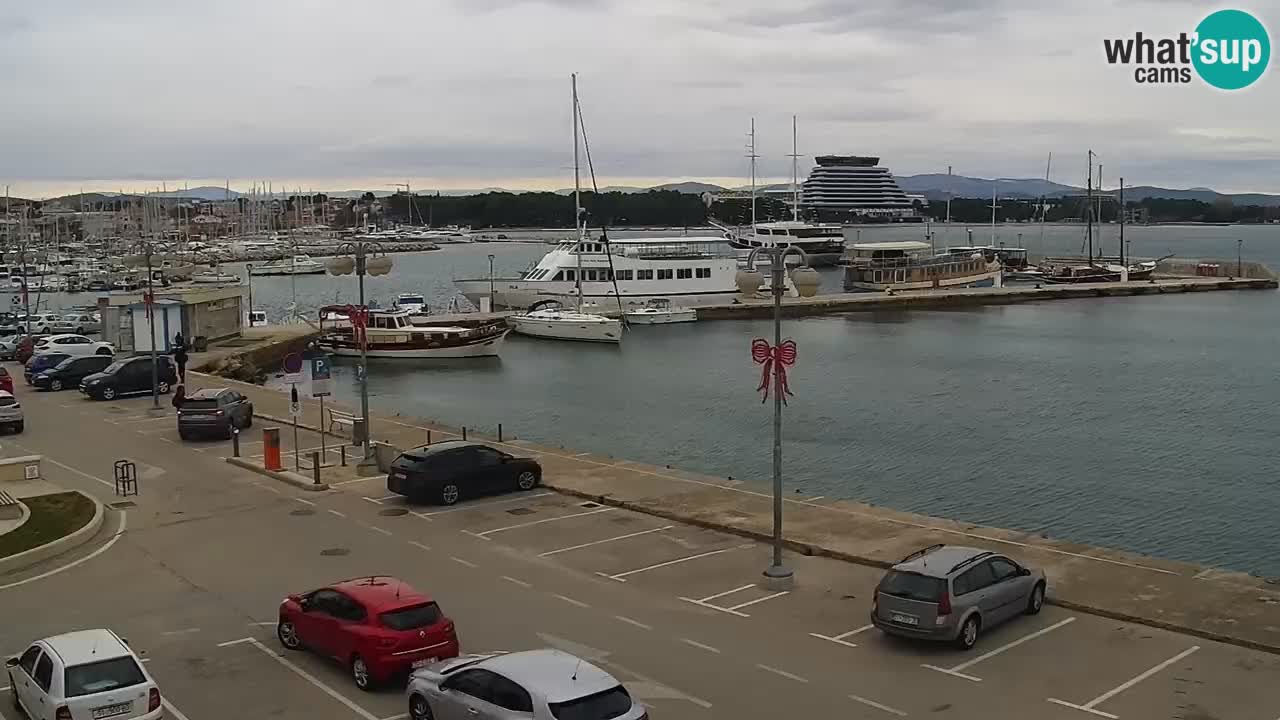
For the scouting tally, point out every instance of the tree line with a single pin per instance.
(1153, 210)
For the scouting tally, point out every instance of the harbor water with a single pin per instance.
(1143, 423)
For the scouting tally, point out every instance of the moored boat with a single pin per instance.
(389, 334)
(548, 320)
(295, 265)
(912, 265)
(660, 312)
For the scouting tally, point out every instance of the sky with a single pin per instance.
(450, 94)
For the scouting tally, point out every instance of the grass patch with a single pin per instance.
(52, 516)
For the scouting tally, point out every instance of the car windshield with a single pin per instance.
(413, 617)
(601, 706)
(102, 676)
(114, 367)
(66, 363)
(913, 586)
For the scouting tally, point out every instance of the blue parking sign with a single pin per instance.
(321, 376)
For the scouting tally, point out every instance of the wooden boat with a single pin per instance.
(389, 334)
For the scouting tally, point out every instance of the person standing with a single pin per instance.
(180, 356)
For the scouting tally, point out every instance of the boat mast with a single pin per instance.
(1088, 208)
(993, 215)
(577, 190)
(795, 172)
(1044, 206)
(751, 153)
(1122, 214)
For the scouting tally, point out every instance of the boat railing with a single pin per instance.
(905, 262)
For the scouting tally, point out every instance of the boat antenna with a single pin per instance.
(576, 668)
(595, 189)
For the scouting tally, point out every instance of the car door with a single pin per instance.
(468, 695)
(135, 376)
(42, 706)
(974, 588)
(349, 615)
(88, 366)
(489, 472)
(318, 622)
(21, 678)
(1010, 588)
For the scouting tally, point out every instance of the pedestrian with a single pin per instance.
(180, 356)
(179, 396)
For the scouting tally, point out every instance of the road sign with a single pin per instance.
(293, 368)
(321, 380)
(295, 407)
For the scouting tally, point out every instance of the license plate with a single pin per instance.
(422, 663)
(399, 475)
(110, 710)
(904, 619)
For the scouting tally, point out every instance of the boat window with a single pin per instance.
(704, 272)
(644, 274)
(664, 274)
(570, 275)
(625, 274)
(684, 273)
(559, 276)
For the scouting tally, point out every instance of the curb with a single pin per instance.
(811, 550)
(75, 539)
(284, 476)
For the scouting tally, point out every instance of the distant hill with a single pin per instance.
(204, 192)
(937, 186)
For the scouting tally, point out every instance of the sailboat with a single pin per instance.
(548, 318)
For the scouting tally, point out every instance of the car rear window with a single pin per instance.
(913, 586)
(189, 404)
(411, 618)
(102, 676)
(409, 460)
(601, 706)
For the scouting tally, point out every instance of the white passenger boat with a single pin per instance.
(413, 303)
(913, 265)
(389, 334)
(295, 265)
(660, 312)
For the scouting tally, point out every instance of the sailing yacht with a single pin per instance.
(547, 319)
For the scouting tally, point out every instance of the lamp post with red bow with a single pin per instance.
(775, 360)
(362, 258)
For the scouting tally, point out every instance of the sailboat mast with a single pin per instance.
(1088, 208)
(577, 190)
(1044, 203)
(993, 215)
(795, 173)
(949, 194)
(751, 153)
(1122, 214)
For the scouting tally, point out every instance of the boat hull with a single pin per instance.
(490, 347)
(279, 272)
(602, 332)
(511, 293)
(662, 318)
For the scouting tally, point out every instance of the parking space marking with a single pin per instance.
(308, 677)
(356, 480)
(840, 639)
(783, 673)
(460, 561)
(521, 583)
(957, 670)
(375, 501)
(709, 598)
(629, 621)
(419, 545)
(878, 706)
(470, 506)
(377, 529)
(815, 498)
(187, 631)
(531, 523)
(1089, 706)
(335, 512)
(733, 609)
(304, 502)
(622, 577)
(606, 540)
(699, 645)
(571, 601)
(758, 600)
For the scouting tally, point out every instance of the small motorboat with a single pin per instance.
(659, 312)
(214, 277)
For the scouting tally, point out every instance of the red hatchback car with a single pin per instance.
(378, 627)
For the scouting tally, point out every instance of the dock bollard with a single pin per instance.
(342, 449)
(428, 436)
(315, 467)
(464, 432)
(499, 432)
(235, 442)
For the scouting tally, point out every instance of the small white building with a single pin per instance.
(203, 315)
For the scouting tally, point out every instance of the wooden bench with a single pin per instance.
(345, 420)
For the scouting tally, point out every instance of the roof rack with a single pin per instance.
(921, 553)
(975, 558)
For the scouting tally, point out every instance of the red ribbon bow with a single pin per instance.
(784, 354)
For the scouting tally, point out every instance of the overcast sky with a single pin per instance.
(475, 93)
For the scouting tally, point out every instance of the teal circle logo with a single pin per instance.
(1232, 49)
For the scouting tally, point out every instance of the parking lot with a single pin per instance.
(678, 613)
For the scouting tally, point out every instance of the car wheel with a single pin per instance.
(449, 494)
(163, 387)
(1037, 599)
(102, 351)
(527, 480)
(108, 393)
(184, 435)
(418, 708)
(288, 635)
(969, 633)
(360, 673)
(55, 385)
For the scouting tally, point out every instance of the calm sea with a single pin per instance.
(1147, 424)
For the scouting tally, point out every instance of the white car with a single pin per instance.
(40, 324)
(74, 345)
(83, 675)
(10, 412)
(78, 323)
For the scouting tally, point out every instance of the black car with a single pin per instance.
(130, 377)
(37, 364)
(69, 372)
(213, 411)
(447, 472)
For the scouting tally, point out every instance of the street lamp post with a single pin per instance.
(777, 574)
(361, 257)
(490, 283)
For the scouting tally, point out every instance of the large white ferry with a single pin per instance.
(688, 271)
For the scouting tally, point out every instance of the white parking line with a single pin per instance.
(783, 673)
(419, 545)
(965, 665)
(335, 512)
(878, 706)
(460, 561)
(474, 505)
(621, 577)
(607, 540)
(377, 529)
(304, 502)
(356, 480)
(1089, 706)
(840, 639)
(375, 501)
(815, 498)
(571, 601)
(531, 523)
(629, 621)
(709, 606)
(306, 676)
(758, 600)
(709, 598)
(699, 645)
(521, 583)
(733, 609)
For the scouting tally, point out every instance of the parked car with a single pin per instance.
(41, 323)
(73, 344)
(379, 628)
(6, 380)
(83, 674)
(450, 471)
(69, 372)
(214, 411)
(536, 684)
(951, 593)
(130, 377)
(21, 347)
(78, 323)
(37, 364)
(11, 412)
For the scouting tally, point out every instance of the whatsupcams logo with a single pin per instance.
(1229, 50)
